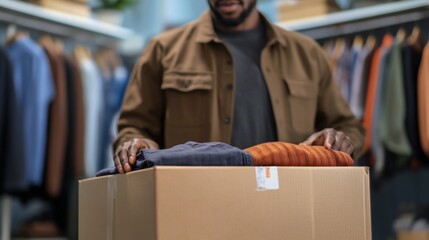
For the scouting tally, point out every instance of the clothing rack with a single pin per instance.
(366, 25)
(361, 19)
(82, 29)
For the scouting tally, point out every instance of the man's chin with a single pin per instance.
(232, 18)
(231, 22)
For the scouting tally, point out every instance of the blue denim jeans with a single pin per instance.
(189, 154)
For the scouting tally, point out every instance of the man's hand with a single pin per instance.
(125, 155)
(331, 139)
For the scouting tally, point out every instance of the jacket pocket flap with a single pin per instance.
(186, 82)
(302, 89)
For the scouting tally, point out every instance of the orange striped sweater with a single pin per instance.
(286, 154)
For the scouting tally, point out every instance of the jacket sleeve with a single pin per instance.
(142, 111)
(333, 110)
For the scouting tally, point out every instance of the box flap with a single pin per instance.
(135, 205)
(95, 208)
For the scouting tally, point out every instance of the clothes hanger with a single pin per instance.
(87, 51)
(59, 46)
(114, 58)
(358, 42)
(415, 39)
(401, 35)
(387, 39)
(13, 35)
(371, 42)
(103, 64)
(83, 52)
(340, 46)
(329, 47)
(11, 30)
(80, 52)
(46, 41)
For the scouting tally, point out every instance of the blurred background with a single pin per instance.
(71, 59)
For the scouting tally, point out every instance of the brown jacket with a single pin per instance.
(181, 89)
(57, 128)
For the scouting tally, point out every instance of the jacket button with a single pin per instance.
(184, 85)
(227, 120)
(229, 86)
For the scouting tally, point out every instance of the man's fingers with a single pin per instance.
(339, 140)
(123, 157)
(118, 164)
(135, 147)
(344, 145)
(138, 144)
(126, 155)
(329, 138)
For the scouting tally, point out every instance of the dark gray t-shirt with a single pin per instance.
(253, 115)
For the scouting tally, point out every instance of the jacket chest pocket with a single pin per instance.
(302, 100)
(188, 96)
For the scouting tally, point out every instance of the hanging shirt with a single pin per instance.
(370, 96)
(79, 118)
(375, 71)
(342, 71)
(93, 102)
(355, 51)
(4, 91)
(423, 99)
(376, 144)
(252, 104)
(7, 103)
(34, 91)
(57, 129)
(412, 57)
(360, 81)
(71, 108)
(392, 128)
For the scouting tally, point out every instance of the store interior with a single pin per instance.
(92, 39)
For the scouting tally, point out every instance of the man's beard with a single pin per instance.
(236, 21)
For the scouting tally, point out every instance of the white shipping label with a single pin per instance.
(267, 178)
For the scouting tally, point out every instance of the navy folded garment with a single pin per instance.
(189, 154)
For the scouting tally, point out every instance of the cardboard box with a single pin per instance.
(288, 11)
(72, 7)
(251, 203)
(413, 236)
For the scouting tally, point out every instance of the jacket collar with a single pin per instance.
(206, 32)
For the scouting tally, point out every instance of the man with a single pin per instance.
(233, 77)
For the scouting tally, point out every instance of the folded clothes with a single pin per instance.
(287, 154)
(189, 154)
(221, 154)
